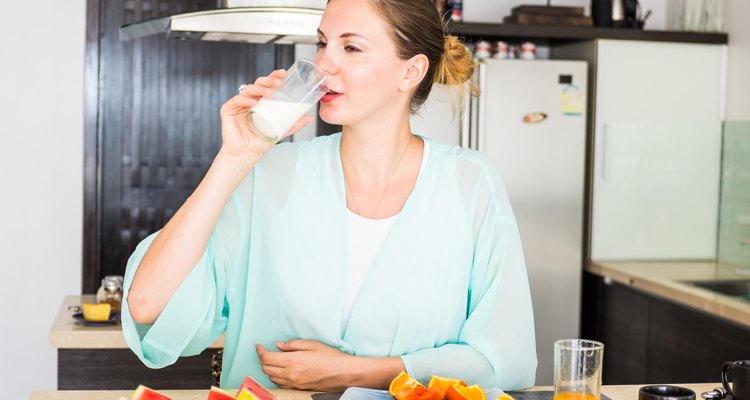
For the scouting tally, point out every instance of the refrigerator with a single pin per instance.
(530, 119)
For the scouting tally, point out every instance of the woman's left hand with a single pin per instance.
(306, 364)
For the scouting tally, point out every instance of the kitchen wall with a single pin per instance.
(734, 214)
(41, 181)
(738, 61)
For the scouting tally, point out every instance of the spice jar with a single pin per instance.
(111, 292)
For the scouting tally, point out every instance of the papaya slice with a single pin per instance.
(473, 392)
(441, 384)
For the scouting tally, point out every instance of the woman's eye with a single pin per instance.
(352, 49)
(320, 44)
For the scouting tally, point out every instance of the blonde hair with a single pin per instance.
(418, 29)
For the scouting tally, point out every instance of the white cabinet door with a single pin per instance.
(657, 150)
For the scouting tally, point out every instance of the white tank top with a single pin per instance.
(366, 235)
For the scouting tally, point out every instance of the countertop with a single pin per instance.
(663, 279)
(66, 333)
(624, 392)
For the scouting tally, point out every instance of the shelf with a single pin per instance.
(476, 31)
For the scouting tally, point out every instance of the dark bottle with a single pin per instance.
(601, 12)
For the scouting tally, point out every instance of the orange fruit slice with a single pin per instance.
(473, 392)
(505, 396)
(404, 387)
(441, 384)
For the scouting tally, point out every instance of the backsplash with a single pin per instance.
(734, 213)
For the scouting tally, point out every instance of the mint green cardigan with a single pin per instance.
(447, 292)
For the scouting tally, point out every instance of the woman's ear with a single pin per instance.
(414, 71)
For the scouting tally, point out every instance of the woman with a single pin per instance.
(341, 261)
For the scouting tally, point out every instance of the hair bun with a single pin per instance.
(456, 64)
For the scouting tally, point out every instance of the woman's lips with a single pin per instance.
(330, 96)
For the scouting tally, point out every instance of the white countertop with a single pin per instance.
(66, 333)
(664, 279)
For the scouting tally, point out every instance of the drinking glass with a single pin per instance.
(714, 15)
(689, 15)
(301, 88)
(578, 369)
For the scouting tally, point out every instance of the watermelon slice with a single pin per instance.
(219, 394)
(245, 394)
(145, 393)
(255, 388)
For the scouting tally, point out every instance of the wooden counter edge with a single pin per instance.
(619, 392)
(64, 334)
(715, 304)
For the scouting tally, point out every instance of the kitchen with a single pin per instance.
(48, 64)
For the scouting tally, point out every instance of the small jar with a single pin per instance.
(111, 292)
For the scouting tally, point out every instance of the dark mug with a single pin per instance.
(665, 392)
(740, 389)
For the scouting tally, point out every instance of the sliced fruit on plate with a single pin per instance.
(402, 383)
(473, 392)
(96, 312)
(441, 384)
(404, 387)
(255, 389)
(219, 394)
(246, 394)
(146, 393)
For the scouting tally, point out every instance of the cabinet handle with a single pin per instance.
(604, 151)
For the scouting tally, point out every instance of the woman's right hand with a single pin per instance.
(238, 138)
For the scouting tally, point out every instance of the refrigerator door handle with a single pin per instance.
(479, 111)
(604, 151)
(466, 115)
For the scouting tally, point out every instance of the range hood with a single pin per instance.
(246, 21)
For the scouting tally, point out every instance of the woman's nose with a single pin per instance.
(324, 60)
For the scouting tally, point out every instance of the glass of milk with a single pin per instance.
(302, 87)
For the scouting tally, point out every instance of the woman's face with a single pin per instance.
(356, 49)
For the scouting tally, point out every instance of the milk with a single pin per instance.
(272, 118)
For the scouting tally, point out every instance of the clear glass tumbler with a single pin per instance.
(714, 15)
(578, 369)
(301, 88)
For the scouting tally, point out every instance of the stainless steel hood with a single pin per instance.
(248, 21)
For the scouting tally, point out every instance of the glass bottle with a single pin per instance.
(111, 292)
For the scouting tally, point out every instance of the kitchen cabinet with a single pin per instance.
(97, 358)
(649, 338)
(654, 147)
(113, 369)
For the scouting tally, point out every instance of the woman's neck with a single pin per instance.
(372, 154)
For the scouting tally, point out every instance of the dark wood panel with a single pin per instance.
(682, 344)
(91, 150)
(679, 344)
(592, 307)
(152, 123)
(120, 369)
(729, 342)
(625, 331)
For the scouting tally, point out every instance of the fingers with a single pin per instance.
(270, 358)
(282, 382)
(263, 85)
(297, 345)
(306, 119)
(274, 368)
(255, 91)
